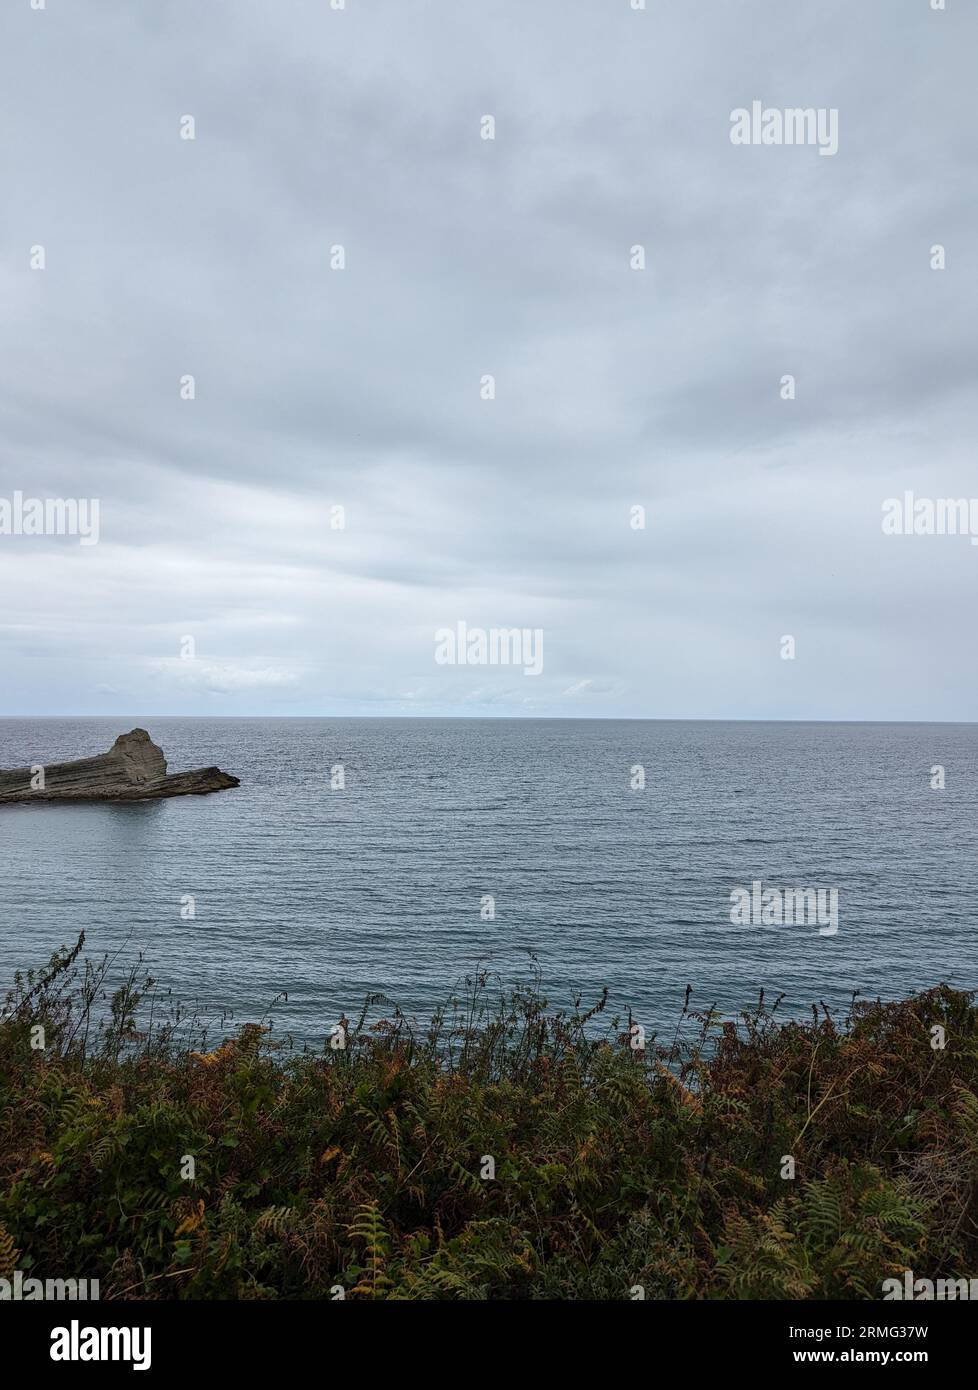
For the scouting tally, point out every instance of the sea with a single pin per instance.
(402, 856)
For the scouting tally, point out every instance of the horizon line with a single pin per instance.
(505, 718)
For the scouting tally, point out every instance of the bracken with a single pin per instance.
(361, 1172)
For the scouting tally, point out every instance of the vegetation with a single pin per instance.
(362, 1169)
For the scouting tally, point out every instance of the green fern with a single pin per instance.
(277, 1221)
(368, 1228)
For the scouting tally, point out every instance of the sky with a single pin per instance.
(340, 259)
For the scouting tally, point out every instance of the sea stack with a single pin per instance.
(134, 769)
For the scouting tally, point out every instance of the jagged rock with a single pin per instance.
(134, 769)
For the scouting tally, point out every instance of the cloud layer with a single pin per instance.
(318, 388)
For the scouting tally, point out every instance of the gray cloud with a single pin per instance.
(360, 387)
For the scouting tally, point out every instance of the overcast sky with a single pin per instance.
(360, 387)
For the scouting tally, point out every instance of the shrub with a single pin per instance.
(363, 1169)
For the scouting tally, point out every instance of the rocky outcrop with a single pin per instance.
(134, 769)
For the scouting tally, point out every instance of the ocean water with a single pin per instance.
(330, 895)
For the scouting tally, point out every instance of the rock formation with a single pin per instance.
(134, 769)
